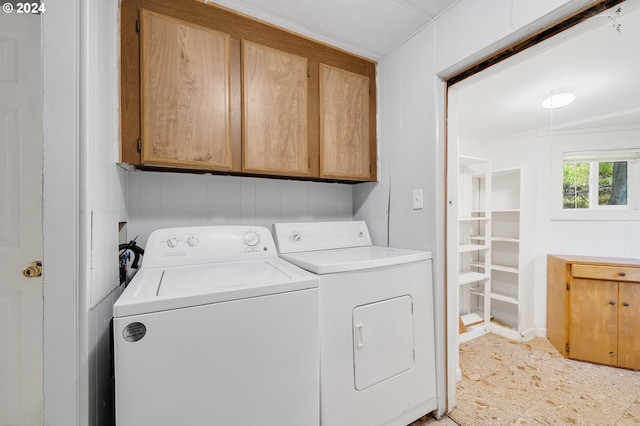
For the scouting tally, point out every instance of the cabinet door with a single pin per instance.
(558, 273)
(184, 74)
(593, 319)
(274, 110)
(629, 325)
(344, 124)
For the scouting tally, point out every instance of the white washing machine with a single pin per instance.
(215, 329)
(377, 357)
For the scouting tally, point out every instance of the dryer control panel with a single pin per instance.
(309, 236)
(207, 244)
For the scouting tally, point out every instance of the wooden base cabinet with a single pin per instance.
(593, 309)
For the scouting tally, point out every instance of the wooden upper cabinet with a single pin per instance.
(274, 111)
(206, 89)
(185, 94)
(345, 145)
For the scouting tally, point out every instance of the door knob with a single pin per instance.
(33, 270)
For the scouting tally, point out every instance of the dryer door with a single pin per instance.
(382, 340)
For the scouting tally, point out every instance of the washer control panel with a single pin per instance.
(251, 238)
(206, 244)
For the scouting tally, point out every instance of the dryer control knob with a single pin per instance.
(296, 237)
(250, 238)
(192, 241)
(172, 242)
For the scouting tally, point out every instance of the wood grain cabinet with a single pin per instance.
(207, 89)
(344, 124)
(274, 111)
(184, 91)
(593, 309)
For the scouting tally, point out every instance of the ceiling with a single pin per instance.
(598, 58)
(368, 28)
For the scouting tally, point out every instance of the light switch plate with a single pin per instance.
(418, 199)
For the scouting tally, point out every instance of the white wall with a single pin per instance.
(162, 200)
(60, 212)
(102, 205)
(411, 132)
(610, 238)
(81, 183)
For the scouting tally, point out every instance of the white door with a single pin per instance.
(21, 314)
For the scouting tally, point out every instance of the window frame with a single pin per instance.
(606, 145)
(594, 179)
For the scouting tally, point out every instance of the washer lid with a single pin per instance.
(160, 289)
(353, 259)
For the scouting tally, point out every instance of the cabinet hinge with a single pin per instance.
(309, 162)
(566, 347)
(139, 146)
(308, 73)
(568, 287)
(137, 25)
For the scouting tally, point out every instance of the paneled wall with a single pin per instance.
(161, 200)
(412, 127)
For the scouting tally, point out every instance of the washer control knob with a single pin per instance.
(251, 238)
(296, 236)
(192, 241)
(172, 242)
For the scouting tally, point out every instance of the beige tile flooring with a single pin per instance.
(430, 421)
(510, 383)
(444, 421)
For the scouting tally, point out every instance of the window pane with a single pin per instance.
(575, 185)
(612, 183)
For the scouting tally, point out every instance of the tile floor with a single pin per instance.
(510, 383)
(444, 421)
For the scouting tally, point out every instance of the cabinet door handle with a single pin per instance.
(625, 303)
(612, 302)
(622, 274)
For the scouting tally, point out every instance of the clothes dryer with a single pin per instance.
(215, 329)
(377, 357)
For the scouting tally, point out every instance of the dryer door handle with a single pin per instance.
(358, 333)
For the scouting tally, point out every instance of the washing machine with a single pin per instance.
(216, 329)
(377, 357)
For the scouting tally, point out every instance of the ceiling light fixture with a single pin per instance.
(558, 98)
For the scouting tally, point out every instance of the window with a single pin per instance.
(595, 183)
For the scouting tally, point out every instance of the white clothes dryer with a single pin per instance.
(377, 357)
(216, 329)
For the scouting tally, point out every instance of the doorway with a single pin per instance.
(495, 116)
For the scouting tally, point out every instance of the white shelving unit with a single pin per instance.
(510, 300)
(495, 285)
(474, 246)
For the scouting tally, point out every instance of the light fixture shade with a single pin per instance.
(558, 98)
